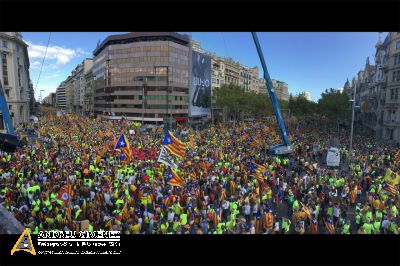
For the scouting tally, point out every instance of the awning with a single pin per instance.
(180, 119)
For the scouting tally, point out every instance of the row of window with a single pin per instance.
(5, 70)
(147, 97)
(128, 79)
(217, 81)
(157, 48)
(140, 49)
(394, 93)
(397, 59)
(139, 106)
(150, 70)
(5, 45)
(396, 76)
(140, 88)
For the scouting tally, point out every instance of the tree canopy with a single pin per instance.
(237, 102)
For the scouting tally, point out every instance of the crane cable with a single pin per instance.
(41, 67)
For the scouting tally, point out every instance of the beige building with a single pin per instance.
(75, 87)
(282, 90)
(14, 76)
(232, 72)
(60, 97)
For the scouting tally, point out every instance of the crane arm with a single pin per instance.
(4, 110)
(285, 147)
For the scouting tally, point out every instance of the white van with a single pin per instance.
(333, 157)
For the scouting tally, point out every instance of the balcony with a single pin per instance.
(391, 123)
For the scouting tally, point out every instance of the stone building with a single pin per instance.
(14, 76)
(378, 92)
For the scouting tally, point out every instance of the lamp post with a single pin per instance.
(143, 97)
(352, 121)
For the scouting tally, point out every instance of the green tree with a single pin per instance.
(300, 106)
(334, 105)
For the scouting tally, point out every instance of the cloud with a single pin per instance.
(60, 54)
(35, 65)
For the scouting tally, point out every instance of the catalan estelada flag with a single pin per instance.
(123, 144)
(65, 192)
(389, 188)
(191, 142)
(173, 179)
(258, 171)
(330, 227)
(174, 145)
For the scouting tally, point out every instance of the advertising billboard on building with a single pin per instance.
(200, 85)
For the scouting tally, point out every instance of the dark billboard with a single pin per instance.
(200, 85)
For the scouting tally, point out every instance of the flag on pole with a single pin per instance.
(174, 145)
(173, 179)
(166, 158)
(123, 144)
(191, 141)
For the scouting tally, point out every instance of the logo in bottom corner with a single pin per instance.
(24, 243)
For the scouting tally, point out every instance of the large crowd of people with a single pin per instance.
(298, 194)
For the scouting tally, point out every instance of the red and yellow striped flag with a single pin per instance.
(191, 141)
(174, 145)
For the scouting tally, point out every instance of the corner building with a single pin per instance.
(142, 76)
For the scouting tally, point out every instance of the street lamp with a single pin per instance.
(40, 96)
(352, 121)
(143, 97)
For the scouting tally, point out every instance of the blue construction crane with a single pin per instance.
(8, 141)
(285, 147)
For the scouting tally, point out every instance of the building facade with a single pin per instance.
(69, 94)
(217, 72)
(50, 99)
(232, 72)
(14, 76)
(61, 102)
(281, 90)
(142, 76)
(88, 104)
(377, 90)
(75, 87)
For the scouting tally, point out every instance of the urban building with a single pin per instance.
(307, 94)
(14, 76)
(255, 80)
(69, 94)
(89, 95)
(232, 72)
(391, 107)
(196, 46)
(75, 87)
(142, 76)
(61, 102)
(245, 78)
(281, 90)
(217, 72)
(377, 89)
(262, 86)
(50, 99)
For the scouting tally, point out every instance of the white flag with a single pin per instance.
(166, 158)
